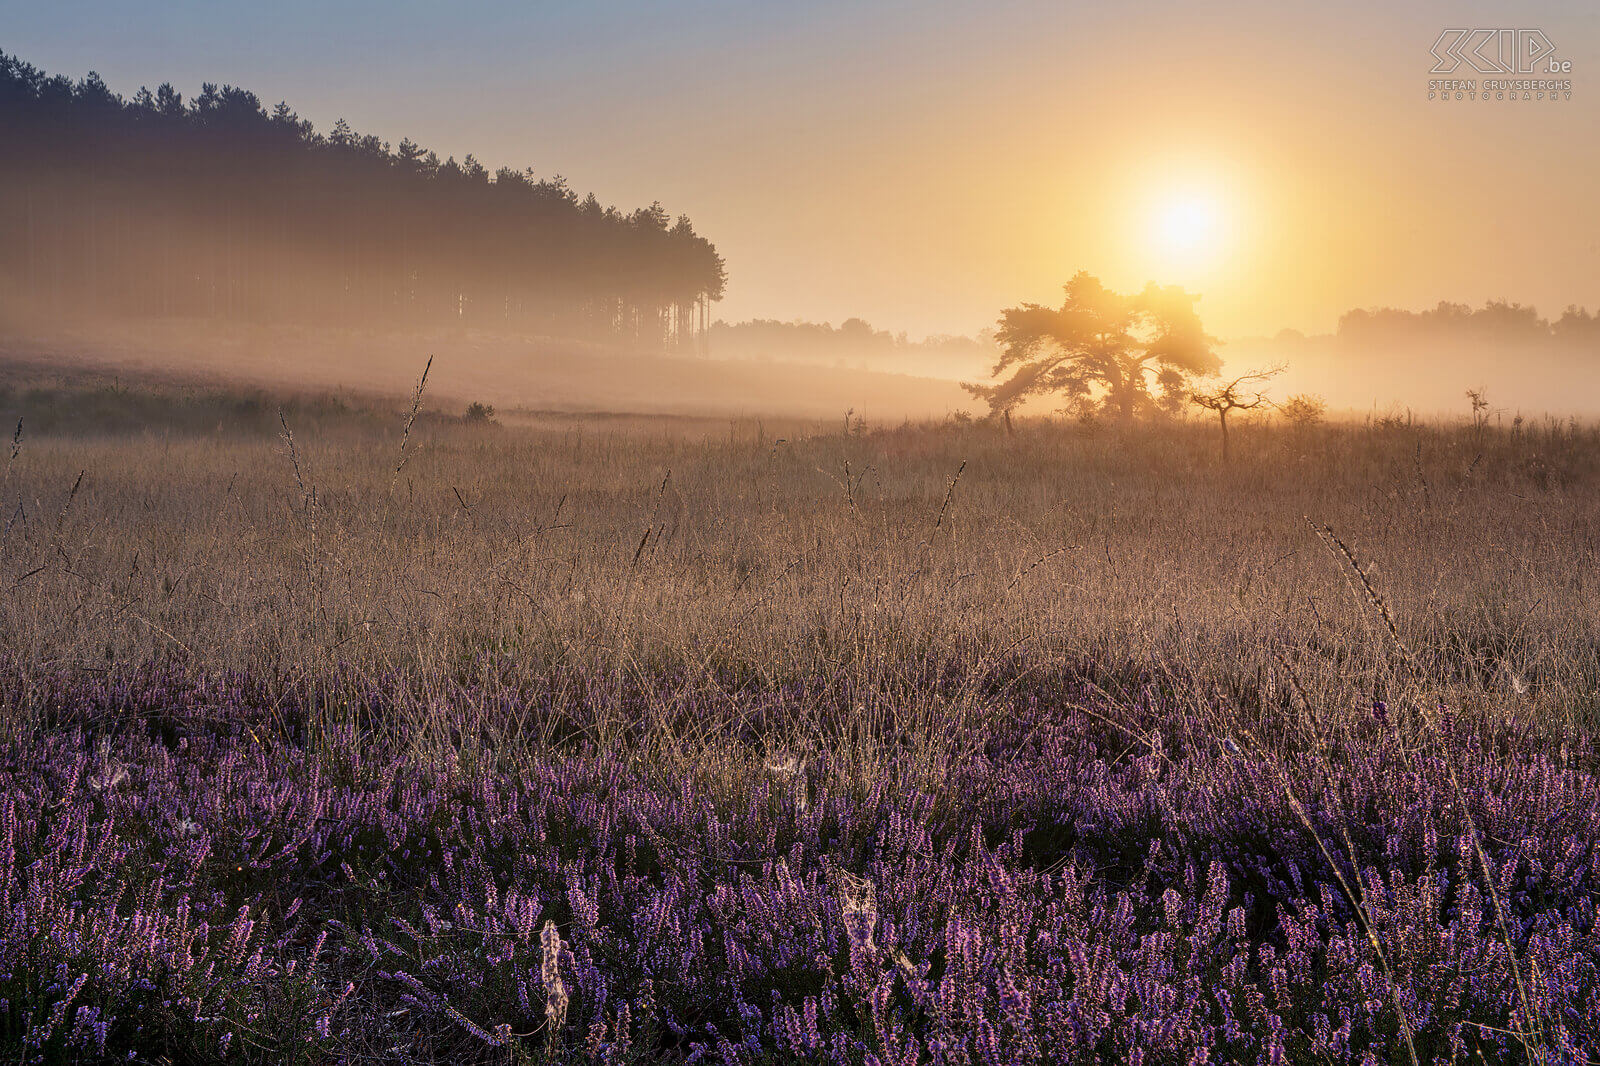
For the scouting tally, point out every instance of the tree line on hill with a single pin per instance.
(216, 207)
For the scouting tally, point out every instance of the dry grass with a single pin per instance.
(614, 571)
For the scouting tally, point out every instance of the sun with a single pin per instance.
(1185, 231)
(1187, 224)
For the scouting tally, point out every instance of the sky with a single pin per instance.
(924, 165)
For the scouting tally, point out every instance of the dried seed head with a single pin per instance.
(858, 899)
(555, 989)
(784, 766)
(112, 775)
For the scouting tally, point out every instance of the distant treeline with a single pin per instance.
(212, 207)
(1497, 321)
(1426, 360)
(853, 343)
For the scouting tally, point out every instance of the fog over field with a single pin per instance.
(1421, 363)
(527, 373)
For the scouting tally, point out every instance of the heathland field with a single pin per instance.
(357, 737)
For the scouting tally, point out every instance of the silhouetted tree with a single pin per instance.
(1100, 345)
(1239, 394)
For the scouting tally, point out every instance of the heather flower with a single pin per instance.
(1044, 903)
(472, 1027)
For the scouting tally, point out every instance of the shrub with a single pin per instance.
(1304, 410)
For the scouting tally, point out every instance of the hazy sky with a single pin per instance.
(924, 164)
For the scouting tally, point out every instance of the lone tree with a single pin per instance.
(1101, 346)
(1240, 394)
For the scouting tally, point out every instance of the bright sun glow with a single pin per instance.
(1185, 231)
